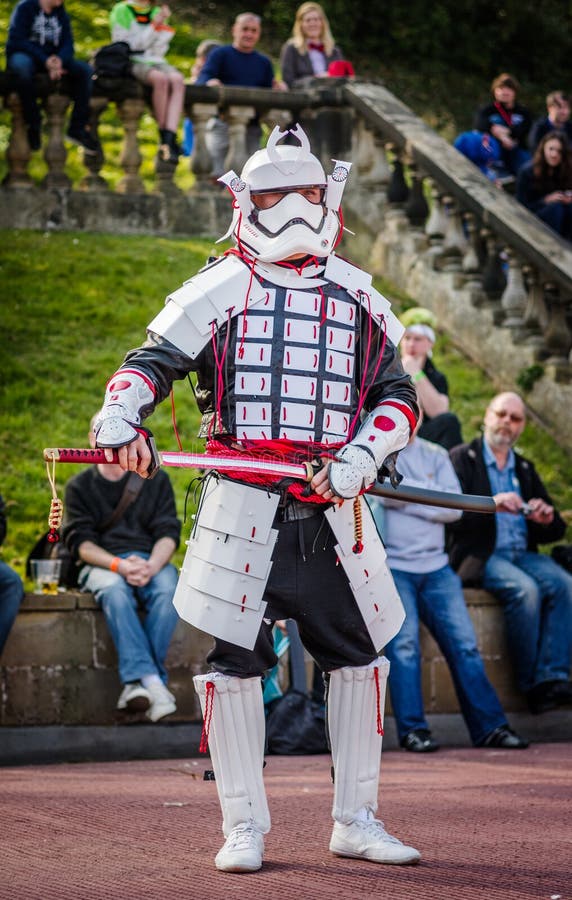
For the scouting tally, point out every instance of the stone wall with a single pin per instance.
(59, 666)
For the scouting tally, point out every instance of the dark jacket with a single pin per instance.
(544, 126)
(471, 540)
(40, 34)
(296, 66)
(520, 121)
(531, 192)
(91, 499)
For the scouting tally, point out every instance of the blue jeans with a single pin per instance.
(141, 645)
(80, 80)
(436, 599)
(536, 594)
(11, 594)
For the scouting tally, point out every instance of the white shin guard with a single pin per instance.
(356, 695)
(234, 718)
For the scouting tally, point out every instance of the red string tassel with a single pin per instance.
(209, 701)
(378, 701)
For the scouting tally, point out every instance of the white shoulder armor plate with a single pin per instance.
(214, 295)
(358, 285)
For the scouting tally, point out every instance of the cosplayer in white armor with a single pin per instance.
(294, 352)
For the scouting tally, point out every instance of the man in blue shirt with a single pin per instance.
(241, 65)
(501, 553)
(40, 40)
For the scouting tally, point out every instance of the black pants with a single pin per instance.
(306, 584)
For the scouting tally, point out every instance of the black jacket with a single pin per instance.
(471, 540)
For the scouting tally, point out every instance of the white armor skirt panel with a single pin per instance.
(228, 562)
(370, 580)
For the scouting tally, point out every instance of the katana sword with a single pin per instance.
(275, 467)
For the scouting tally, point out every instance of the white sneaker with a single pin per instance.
(368, 839)
(134, 698)
(162, 702)
(242, 851)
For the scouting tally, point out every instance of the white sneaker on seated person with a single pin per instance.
(162, 700)
(134, 698)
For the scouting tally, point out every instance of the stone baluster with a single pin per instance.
(557, 336)
(471, 265)
(55, 153)
(362, 148)
(93, 162)
(201, 162)
(18, 152)
(164, 177)
(436, 224)
(513, 299)
(381, 171)
(455, 242)
(397, 189)
(535, 312)
(494, 278)
(130, 112)
(416, 208)
(238, 118)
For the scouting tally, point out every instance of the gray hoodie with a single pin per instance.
(414, 535)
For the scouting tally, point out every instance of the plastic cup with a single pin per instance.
(46, 575)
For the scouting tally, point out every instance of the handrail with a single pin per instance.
(459, 177)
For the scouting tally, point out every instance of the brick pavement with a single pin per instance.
(490, 824)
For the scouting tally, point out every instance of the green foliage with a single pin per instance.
(528, 377)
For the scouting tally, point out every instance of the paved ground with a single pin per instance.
(489, 823)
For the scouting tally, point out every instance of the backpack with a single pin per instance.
(44, 549)
(112, 61)
(295, 723)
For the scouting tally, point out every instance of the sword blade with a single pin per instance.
(280, 469)
(183, 460)
(427, 497)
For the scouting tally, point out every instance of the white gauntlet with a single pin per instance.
(385, 431)
(129, 394)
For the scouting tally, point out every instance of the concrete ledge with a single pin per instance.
(59, 666)
(57, 744)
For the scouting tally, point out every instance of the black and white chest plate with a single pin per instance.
(295, 366)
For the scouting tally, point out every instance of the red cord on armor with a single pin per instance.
(358, 527)
(364, 387)
(279, 449)
(174, 420)
(209, 703)
(219, 362)
(378, 701)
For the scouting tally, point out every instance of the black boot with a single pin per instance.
(169, 150)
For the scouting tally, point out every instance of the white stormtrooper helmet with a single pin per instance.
(293, 224)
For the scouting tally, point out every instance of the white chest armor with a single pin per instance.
(295, 364)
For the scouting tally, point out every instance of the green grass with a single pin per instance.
(72, 305)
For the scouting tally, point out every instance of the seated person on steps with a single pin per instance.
(416, 348)
(414, 537)
(145, 28)
(500, 553)
(125, 530)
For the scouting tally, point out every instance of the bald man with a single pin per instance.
(500, 553)
(238, 64)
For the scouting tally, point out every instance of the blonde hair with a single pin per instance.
(298, 38)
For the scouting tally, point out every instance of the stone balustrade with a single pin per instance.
(59, 665)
